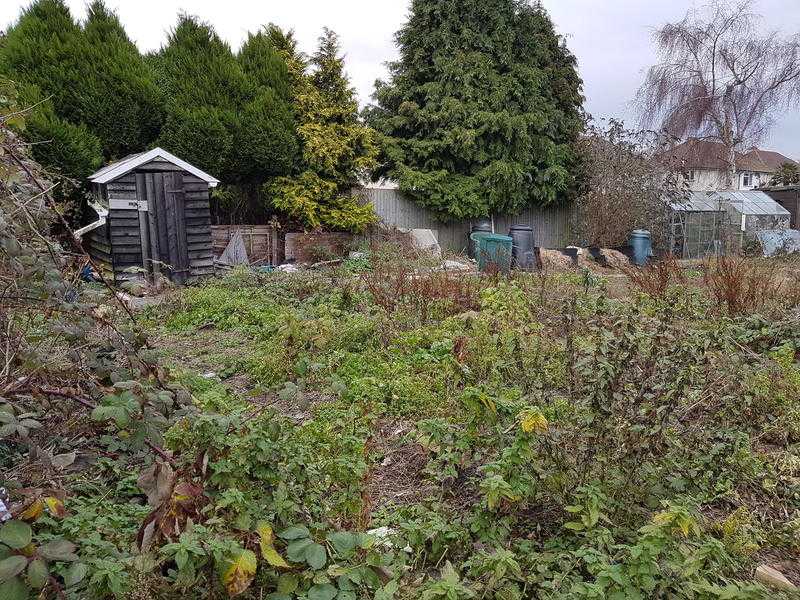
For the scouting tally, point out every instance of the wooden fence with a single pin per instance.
(552, 226)
(258, 241)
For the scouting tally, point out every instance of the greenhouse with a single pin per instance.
(699, 227)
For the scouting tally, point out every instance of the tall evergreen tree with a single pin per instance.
(231, 115)
(40, 52)
(266, 142)
(121, 103)
(337, 148)
(94, 76)
(204, 86)
(482, 109)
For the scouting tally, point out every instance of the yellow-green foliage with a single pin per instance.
(337, 148)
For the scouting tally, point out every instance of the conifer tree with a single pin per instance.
(94, 76)
(482, 110)
(121, 103)
(40, 54)
(337, 148)
(231, 115)
(266, 143)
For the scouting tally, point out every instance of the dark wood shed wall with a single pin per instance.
(198, 225)
(123, 232)
(788, 198)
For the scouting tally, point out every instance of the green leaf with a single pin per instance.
(16, 534)
(75, 574)
(295, 532)
(316, 556)
(287, 583)
(14, 589)
(574, 525)
(322, 591)
(239, 572)
(12, 566)
(296, 551)
(387, 592)
(267, 549)
(343, 542)
(59, 550)
(38, 573)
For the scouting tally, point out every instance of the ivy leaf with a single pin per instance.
(296, 551)
(267, 549)
(59, 550)
(38, 573)
(295, 532)
(316, 556)
(239, 572)
(75, 574)
(12, 566)
(16, 534)
(322, 591)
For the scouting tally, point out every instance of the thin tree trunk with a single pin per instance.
(731, 165)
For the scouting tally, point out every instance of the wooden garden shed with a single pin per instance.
(154, 218)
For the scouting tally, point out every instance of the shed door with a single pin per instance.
(169, 252)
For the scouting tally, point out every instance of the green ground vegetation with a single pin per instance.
(359, 433)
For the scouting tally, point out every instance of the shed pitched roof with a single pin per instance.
(129, 163)
(705, 154)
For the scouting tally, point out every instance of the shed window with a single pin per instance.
(691, 176)
(747, 180)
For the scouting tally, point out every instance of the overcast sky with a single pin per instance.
(611, 38)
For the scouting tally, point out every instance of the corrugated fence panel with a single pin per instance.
(552, 226)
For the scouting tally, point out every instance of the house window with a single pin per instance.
(691, 176)
(747, 180)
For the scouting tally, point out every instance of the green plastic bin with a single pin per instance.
(492, 250)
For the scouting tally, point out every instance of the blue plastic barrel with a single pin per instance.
(642, 246)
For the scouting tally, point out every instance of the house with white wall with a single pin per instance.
(704, 165)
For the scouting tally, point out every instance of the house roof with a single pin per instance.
(129, 163)
(705, 154)
(765, 161)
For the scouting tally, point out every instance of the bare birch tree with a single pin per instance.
(720, 78)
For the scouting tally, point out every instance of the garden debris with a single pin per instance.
(235, 253)
(554, 260)
(5, 513)
(457, 265)
(773, 578)
(288, 268)
(425, 240)
(398, 478)
(775, 242)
